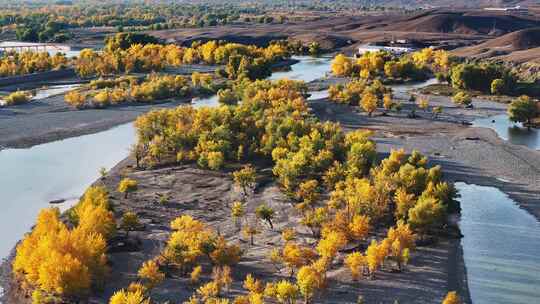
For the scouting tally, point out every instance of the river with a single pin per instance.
(307, 69)
(501, 247)
(30, 178)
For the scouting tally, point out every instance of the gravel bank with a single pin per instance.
(50, 119)
(468, 154)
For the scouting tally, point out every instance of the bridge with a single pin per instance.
(36, 47)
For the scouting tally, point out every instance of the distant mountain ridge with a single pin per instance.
(518, 46)
(464, 22)
(452, 3)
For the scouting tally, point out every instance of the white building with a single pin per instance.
(506, 9)
(397, 50)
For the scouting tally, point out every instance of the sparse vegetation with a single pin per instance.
(17, 98)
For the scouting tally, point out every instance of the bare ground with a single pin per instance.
(50, 119)
(207, 196)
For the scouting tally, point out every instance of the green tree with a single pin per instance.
(427, 213)
(314, 48)
(498, 87)
(124, 41)
(126, 186)
(130, 222)
(265, 213)
(523, 110)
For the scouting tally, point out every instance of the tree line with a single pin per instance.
(127, 53)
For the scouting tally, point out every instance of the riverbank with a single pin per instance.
(51, 119)
(471, 154)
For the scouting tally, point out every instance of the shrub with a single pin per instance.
(462, 98)
(126, 186)
(265, 213)
(75, 99)
(17, 98)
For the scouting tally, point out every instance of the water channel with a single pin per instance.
(501, 246)
(515, 133)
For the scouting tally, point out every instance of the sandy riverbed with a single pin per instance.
(50, 119)
(468, 154)
(207, 195)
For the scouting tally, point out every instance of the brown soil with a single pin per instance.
(464, 22)
(438, 27)
(332, 33)
(519, 46)
(207, 196)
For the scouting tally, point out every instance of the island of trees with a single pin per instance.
(345, 196)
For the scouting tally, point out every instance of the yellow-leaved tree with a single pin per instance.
(356, 262)
(402, 240)
(245, 178)
(126, 186)
(308, 280)
(451, 298)
(369, 103)
(61, 261)
(129, 297)
(342, 65)
(150, 274)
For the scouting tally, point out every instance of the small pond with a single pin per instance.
(515, 133)
(308, 69)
